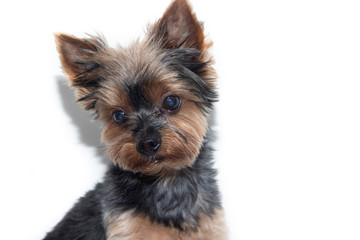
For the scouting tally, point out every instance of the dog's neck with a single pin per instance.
(175, 200)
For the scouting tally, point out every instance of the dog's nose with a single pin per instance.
(148, 145)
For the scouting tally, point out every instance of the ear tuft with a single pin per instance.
(180, 28)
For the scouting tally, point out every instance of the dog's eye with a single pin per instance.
(171, 103)
(119, 117)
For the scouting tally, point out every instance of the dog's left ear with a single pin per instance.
(179, 27)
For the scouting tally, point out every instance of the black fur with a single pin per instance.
(83, 221)
(135, 92)
(191, 192)
(168, 200)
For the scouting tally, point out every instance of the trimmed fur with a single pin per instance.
(172, 191)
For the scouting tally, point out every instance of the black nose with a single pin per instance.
(148, 145)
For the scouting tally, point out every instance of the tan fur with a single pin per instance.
(128, 226)
(182, 139)
(189, 123)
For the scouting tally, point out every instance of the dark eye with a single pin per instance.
(119, 117)
(171, 103)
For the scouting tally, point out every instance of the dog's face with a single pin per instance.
(153, 97)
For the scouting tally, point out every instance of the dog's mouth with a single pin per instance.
(155, 159)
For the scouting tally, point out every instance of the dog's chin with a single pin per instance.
(153, 165)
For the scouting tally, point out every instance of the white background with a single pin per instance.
(288, 121)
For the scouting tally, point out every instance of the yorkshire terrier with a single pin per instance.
(154, 99)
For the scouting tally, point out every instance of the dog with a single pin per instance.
(155, 100)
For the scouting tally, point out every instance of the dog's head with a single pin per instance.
(153, 96)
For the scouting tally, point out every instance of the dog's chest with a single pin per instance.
(128, 226)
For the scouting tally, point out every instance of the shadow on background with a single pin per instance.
(89, 130)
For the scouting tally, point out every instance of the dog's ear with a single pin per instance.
(179, 27)
(79, 59)
(78, 56)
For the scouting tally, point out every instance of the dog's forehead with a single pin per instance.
(138, 77)
(136, 95)
(148, 88)
(143, 74)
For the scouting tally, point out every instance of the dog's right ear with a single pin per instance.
(79, 59)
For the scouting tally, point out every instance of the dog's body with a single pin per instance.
(130, 206)
(154, 99)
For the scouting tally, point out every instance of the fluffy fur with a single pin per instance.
(154, 99)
